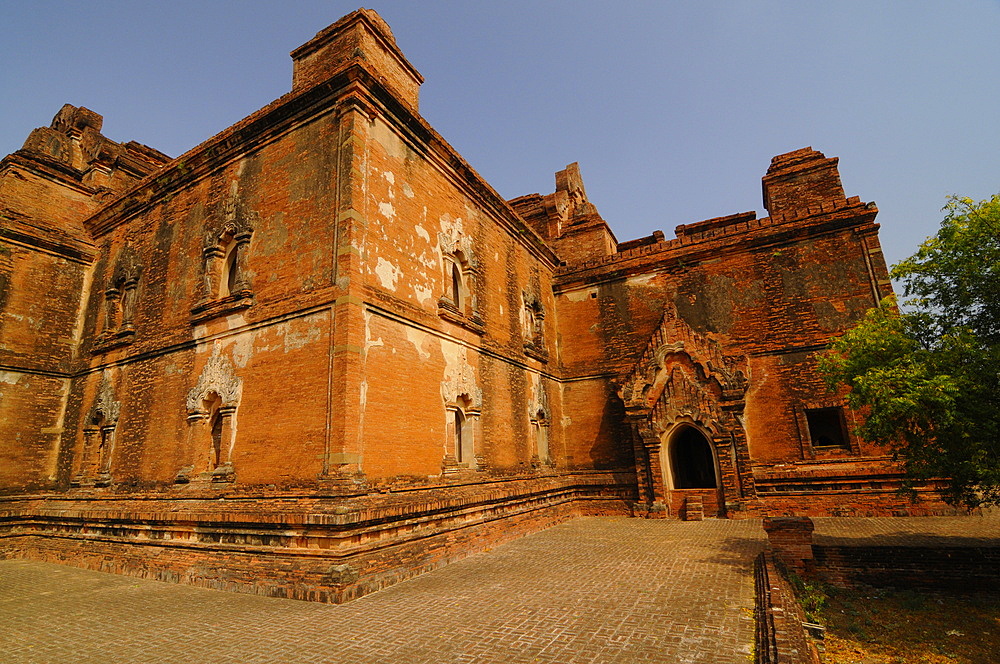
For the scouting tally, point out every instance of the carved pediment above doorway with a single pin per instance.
(682, 374)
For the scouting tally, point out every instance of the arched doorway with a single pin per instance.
(693, 473)
(691, 463)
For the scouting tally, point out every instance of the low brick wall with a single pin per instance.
(780, 637)
(307, 547)
(957, 568)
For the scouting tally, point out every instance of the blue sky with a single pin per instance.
(673, 109)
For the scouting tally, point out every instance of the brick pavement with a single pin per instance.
(590, 590)
(981, 530)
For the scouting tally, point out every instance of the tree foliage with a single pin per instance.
(927, 375)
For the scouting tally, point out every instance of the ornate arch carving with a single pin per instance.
(463, 384)
(683, 376)
(539, 402)
(217, 376)
(458, 245)
(233, 220)
(99, 431)
(540, 421)
(463, 402)
(226, 285)
(211, 406)
(461, 271)
(128, 267)
(106, 408)
(120, 300)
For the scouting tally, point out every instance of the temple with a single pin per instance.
(318, 353)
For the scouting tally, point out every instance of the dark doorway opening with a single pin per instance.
(691, 461)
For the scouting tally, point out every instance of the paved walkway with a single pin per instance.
(591, 590)
(982, 530)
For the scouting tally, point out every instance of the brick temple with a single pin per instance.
(318, 353)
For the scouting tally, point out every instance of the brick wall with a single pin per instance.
(953, 568)
(779, 636)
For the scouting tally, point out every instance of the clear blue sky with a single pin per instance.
(673, 109)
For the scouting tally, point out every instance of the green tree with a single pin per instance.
(927, 375)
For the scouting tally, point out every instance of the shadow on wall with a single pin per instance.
(613, 446)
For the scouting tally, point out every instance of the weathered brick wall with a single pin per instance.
(361, 37)
(595, 433)
(419, 217)
(31, 428)
(772, 290)
(961, 568)
(278, 346)
(352, 208)
(36, 352)
(47, 188)
(793, 293)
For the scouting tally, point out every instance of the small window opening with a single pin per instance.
(100, 437)
(826, 427)
(456, 285)
(216, 439)
(213, 405)
(228, 282)
(459, 421)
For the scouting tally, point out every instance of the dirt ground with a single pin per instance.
(877, 626)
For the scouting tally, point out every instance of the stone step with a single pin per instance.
(693, 508)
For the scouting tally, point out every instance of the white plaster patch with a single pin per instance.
(454, 359)
(501, 310)
(243, 348)
(390, 177)
(235, 320)
(407, 190)
(419, 340)
(10, 377)
(296, 337)
(423, 294)
(428, 261)
(387, 210)
(579, 295)
(387, 273)
(364, 392)
(422, 232)
(369, 342)
(388, 139)
(640, 280)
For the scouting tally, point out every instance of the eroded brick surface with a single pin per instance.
(591, 590)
